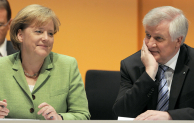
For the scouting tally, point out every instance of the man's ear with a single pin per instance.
(20, 35)
(179, 41)
(9, 23)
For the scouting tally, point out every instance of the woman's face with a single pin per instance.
(37, 40)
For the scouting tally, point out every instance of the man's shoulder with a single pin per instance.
(136, 57)
(188, 48)
(10, 49)
(132, 61)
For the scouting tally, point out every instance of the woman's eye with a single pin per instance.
(38, 31)
(51, 34)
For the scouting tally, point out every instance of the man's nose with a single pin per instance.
(151, 42)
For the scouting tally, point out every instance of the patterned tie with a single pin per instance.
(163, 97)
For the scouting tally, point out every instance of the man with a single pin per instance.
(157, 83)
(6, 47)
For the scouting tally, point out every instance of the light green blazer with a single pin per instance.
(59, 84)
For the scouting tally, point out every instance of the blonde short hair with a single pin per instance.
(33, 14)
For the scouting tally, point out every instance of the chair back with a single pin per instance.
(102, 88)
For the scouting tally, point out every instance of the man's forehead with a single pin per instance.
(157, 31)
(163, 22)
(3, 11)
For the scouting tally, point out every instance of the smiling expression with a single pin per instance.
(159, 43)
(37, 40)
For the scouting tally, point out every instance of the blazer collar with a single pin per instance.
(20, 77)
(44, 73)
(180, 73)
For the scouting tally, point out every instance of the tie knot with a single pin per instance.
(163, 67)
(161, 71)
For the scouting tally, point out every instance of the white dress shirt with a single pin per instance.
(170, 72)
(3, 50)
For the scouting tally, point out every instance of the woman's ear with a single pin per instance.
(20, 35)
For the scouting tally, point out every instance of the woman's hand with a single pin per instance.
(48, 112)
(3, 109)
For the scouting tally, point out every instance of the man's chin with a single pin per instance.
(157, 59)
(155, 53)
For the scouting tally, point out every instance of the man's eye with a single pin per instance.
(159, 38)
(148, 36)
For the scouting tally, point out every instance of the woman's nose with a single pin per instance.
(45, 36)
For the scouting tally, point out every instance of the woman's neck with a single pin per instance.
(31, 65)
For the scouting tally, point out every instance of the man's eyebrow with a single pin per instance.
(159, 35)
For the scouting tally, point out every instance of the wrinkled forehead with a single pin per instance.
(164, 23)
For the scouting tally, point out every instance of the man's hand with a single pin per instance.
(149, 61)
(154, 115)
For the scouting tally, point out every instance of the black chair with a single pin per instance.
(102, 88)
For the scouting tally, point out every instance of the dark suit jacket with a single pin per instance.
(9, 48)
(138, 92)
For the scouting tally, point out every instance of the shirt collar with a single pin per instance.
(172, 62)
(3, 49)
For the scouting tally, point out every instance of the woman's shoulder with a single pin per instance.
(61, 58)
(10, 59)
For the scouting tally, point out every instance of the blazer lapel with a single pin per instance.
(44, 73)
(19, 75)
(179, 77)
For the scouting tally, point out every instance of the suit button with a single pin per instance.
(33, 96)
(31, 110)
(148, 95)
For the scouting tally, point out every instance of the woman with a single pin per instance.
(37, 83)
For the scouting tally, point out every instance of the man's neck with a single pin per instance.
(1, 42)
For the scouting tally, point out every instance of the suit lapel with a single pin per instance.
(44, 73)
(179, 76)
(19, 75)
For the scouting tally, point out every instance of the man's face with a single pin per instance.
(3, 21)
(159, 43)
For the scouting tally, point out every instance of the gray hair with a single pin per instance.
(178, 22)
